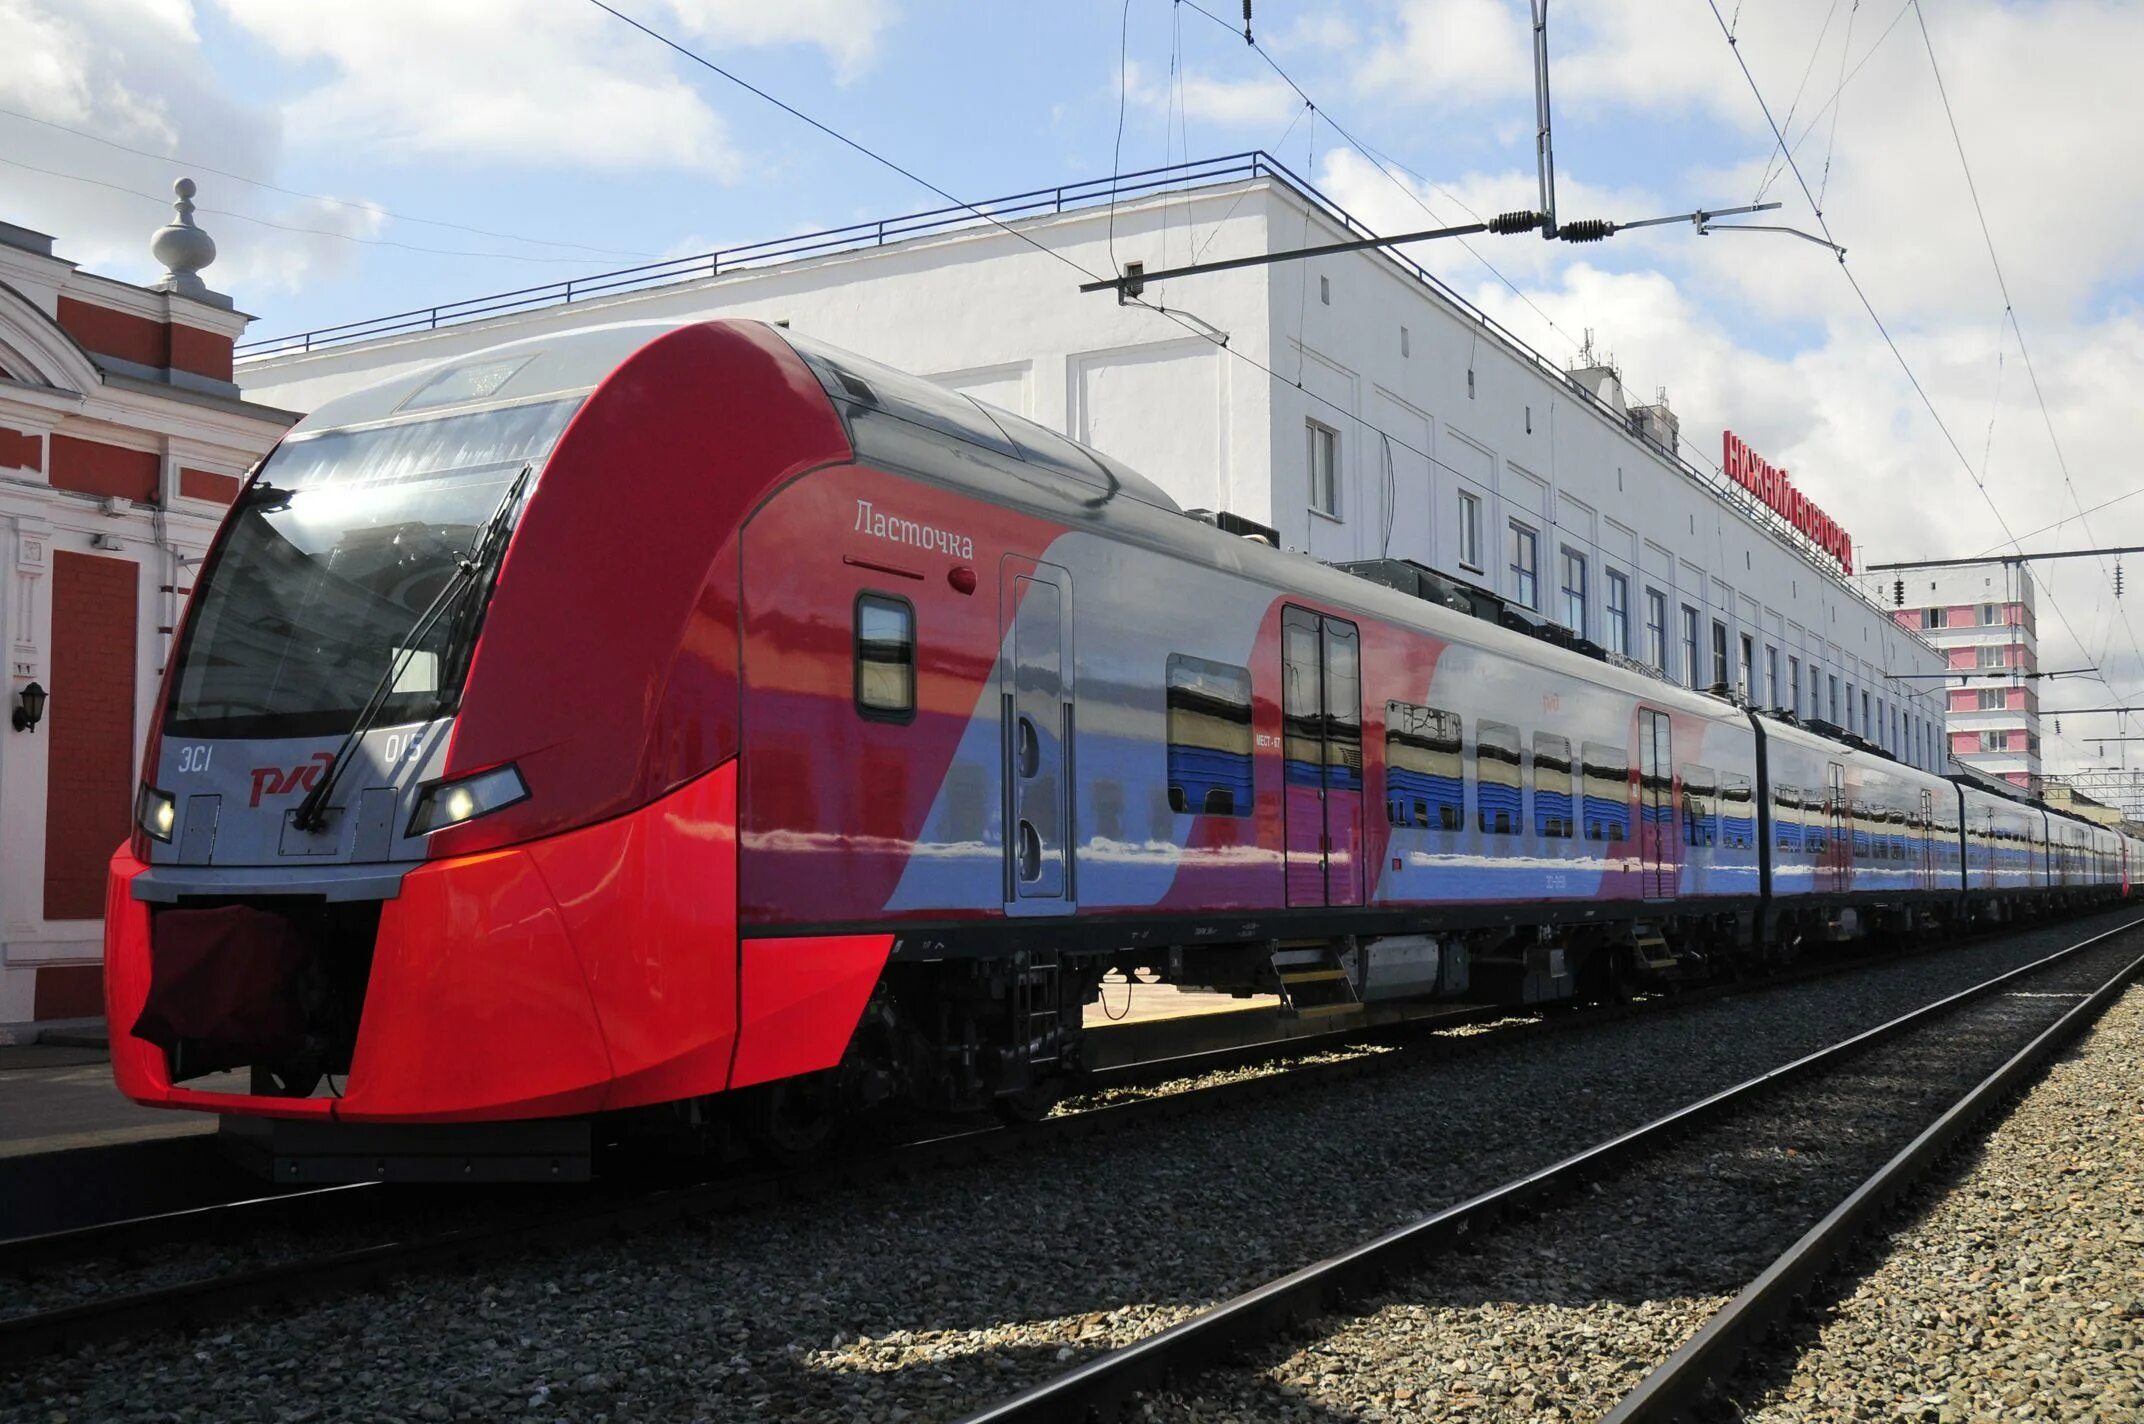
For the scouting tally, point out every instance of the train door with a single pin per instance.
(1036, 600)
(1321, 710)
(1656, 807)
(1838, 855)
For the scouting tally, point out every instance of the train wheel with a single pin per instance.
(795, 1120)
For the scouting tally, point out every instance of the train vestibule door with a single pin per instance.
(1321, 739)
(1838, 856)
(1036, 605)
(1656, 806)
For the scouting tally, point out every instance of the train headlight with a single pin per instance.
(450, 803)
(157, 813)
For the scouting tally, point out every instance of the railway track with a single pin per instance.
(1325, 1301)
(306, 1208)
(1128, 1096)
(601, 1211)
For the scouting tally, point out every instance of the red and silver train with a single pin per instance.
(695, 726)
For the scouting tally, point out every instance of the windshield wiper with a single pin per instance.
(490, 543)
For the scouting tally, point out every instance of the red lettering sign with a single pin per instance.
(1771, 485)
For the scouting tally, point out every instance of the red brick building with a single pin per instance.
(122, 440)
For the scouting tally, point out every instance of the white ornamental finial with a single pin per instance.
(184, 249)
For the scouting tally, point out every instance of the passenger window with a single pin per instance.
(1738, 811)
(1423, 771)
(1605, 787)
(885, 658)
(1553, 816)
(1700, 807)
(1498, 788)
(1787, 817)
(1209, 738)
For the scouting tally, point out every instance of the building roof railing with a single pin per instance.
(1036, 202)
(851, 237)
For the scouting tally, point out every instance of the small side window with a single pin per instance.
(1604, 790)
(885, 658)
(1498, 779)
(1553, 814)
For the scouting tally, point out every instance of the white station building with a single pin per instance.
(1352, 403)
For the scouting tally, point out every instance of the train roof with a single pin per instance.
(868, 393)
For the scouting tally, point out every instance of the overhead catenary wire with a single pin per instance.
(164, 201)
(1416, 198)
(2010, 310)
(1838, 105)
(1772, 170)
(1116, 161)
(351, 203)
(1882, 330)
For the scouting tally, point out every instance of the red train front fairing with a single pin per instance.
(586, 972)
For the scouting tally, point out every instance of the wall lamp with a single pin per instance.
(32, 710)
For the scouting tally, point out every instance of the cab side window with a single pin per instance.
(885, 658)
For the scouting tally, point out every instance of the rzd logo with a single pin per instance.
(275, 781)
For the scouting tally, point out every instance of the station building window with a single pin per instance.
(1525, 566)
(1719, 653)
(1470, 530)
(1324, 456)
(1656, 629)
(1574, 591)
(1689, 645)
(1794, 683)
(1618, 630)
(1748, 667)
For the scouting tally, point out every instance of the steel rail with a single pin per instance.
(212, 1299)
(1717, 1349)
(43, 1251)
(1101, 1387)
(30, 1254)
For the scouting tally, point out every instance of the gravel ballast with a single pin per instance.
(1558, 1316)
(925, 1298)
(2016, 1290)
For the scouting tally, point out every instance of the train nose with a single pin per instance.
(583, 972)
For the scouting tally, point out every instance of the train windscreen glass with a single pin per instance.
(332, 555)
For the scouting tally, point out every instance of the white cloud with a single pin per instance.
(1262, 103)
(847, 30)
(491, 80)
(1443, 53)
(502, 81)
(133, 71)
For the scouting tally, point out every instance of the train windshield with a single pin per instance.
(331, 557)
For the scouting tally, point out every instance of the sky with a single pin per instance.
(359, 157)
